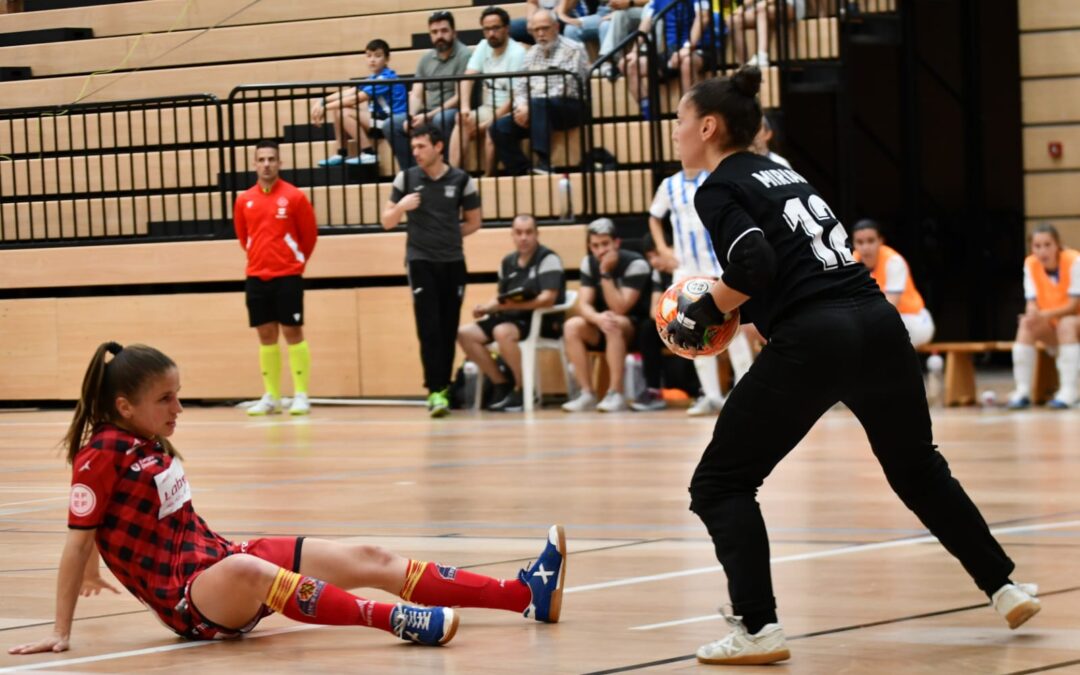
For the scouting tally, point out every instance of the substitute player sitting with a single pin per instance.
(275, 225)
(1052, 315)
(530, 278)
(131, 503)
(614, 299)
(893, 276)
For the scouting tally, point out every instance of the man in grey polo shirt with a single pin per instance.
(443, 206)
(432, 103)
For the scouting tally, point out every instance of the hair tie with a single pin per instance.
(114, 348)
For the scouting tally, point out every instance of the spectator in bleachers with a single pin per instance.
(275, 225)
(496, 53)
(613, 301)
(761, 14)
(432, 103)
(678, 47)
(443, 206)
(364, 111)
(580, 22)
(762, 144)
(893, 277)
(1051, 316)
(531, 277)
(519, 28)
(542, 103)
(623, 19)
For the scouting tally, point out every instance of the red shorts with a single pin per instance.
(282, 551)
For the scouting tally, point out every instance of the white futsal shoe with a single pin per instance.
(300, 404)
(739, 648)
(586, 400)
(1017, 603)
(267, 405)
(704, 406)
(613, 402)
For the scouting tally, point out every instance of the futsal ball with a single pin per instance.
(676, 299)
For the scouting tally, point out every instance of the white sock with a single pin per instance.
(742, 357)
(709, 376)
(1068, 365)
(1023, 367)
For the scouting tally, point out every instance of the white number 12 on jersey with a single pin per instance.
(833, 254)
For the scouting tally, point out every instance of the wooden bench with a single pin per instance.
(959, 377)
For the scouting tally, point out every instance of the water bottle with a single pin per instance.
(934, 367)
(566, 202)
(633, 377)
(472, 379)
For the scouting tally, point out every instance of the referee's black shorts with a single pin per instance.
(280, 300)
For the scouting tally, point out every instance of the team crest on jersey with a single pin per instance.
(451, 191)
(446, 572)
(282, 201)
(83, 500)
(251, 203)
(307, 595)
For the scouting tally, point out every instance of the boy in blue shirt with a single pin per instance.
(349, 115)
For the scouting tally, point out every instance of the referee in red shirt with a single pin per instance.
(275, 225)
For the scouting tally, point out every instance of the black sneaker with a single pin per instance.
(512, 402)
(499, 394)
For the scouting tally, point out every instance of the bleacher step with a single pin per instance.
(45, 5)
(34, 37)
(344, 174)
(12, 73)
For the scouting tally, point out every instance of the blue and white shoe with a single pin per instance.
(1058, 404)
(545, 578)
(424, 625)
(1018, 402)
(332, 160)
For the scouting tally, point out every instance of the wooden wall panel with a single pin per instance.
(28, 338)
(1049, 14)
(346, 255)
(1050, 54)
(1056, 100)
(1052, 194)
(1036, 154)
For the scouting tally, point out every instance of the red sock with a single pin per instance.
(310, 600)
(439, 585)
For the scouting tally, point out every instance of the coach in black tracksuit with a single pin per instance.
(832, 337)
(443, 206)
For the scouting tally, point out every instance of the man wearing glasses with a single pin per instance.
(496, 53)
(432, 103)
(542, 102)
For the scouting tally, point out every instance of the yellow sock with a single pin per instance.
(270, 362)
(300, 363)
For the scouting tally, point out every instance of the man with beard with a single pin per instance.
(542, 103)
(432, 103)
(496, 53)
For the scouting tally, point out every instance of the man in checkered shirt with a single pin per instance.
(542, 103)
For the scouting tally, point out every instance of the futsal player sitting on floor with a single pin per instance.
(131, 503)
(531, 277)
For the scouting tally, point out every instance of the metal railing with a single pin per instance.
(351, 194)
(105, 171)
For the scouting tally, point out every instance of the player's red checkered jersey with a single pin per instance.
(276, 228)
(147, 531)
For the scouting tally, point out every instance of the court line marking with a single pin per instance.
(577, 589)
(43, 665)
(853, 627)
(1043, 669)
(844, 550)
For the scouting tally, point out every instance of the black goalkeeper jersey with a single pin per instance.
(749, 193)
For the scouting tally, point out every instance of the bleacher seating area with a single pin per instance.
(139, 127)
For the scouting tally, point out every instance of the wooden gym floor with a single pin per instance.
(861, 587)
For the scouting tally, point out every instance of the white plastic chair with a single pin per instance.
(530, 346)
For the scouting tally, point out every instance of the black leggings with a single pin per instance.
(856, 352)
(437, 288)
